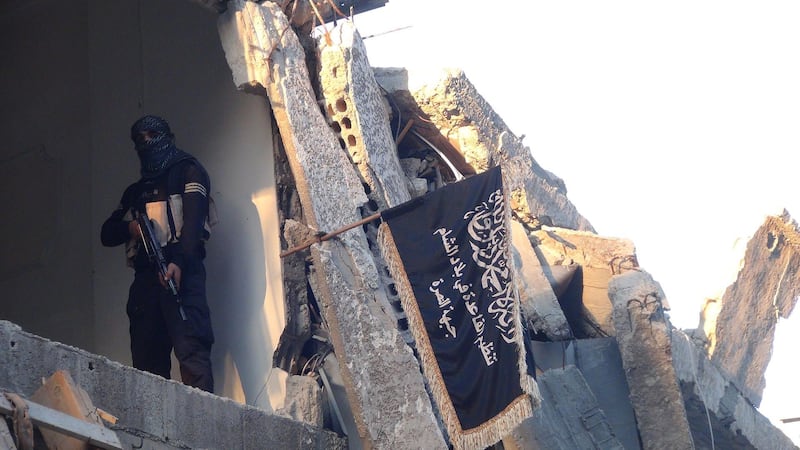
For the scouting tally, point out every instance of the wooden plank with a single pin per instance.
(44, 417)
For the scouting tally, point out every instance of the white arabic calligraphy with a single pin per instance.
(447, 241)
(489, 245)
(440, 298)
(445, 321)
(487, 350)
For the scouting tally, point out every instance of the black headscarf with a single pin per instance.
(159, 153)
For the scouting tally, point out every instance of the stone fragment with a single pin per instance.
(412, 167)
(304, 401)
(419, 187)
(295, 287)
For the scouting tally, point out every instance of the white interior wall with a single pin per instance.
(84, 72)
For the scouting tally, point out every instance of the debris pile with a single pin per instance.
(354, 140)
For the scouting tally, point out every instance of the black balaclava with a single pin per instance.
(160, 152)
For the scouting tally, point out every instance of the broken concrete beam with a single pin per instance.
(719, 413)
(461, 119)
(560, 246)
(382, 377)
(263, 51)
(355, 108)
(599, 258)
(538, 302)
(643, 334)
(354, 104)
(570, 417)
(765, 289)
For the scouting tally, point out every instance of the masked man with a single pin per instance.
(174, 194)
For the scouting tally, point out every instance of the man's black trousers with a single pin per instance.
(156, 327)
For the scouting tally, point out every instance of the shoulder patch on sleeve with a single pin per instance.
(195, 188)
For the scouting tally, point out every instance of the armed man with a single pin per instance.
(163, 220)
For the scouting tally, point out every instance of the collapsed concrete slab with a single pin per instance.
(720, 415)
(600, 362)
(383, 379)
(457, 119)
(600, 365)
(570, 417)
(764, 291)
(588, 308)
(643, 334)
(152, 412)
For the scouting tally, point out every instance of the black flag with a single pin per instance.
(448, 252)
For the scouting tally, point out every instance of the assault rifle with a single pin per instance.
(153, 249)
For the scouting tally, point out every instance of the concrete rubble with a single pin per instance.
(719, 414)
(587, 305)
(464, 126)
(613, 372)
(556, 425)
(538, 299)
(152, 412)
(602, 265)
(382, 377)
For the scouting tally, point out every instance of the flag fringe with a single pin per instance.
(490, 432)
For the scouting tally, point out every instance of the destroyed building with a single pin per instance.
(304, 139)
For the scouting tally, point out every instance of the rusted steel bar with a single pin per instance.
(325, 237)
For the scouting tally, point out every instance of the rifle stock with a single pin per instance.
(156, 256)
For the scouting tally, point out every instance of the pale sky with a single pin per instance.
(673, 124)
